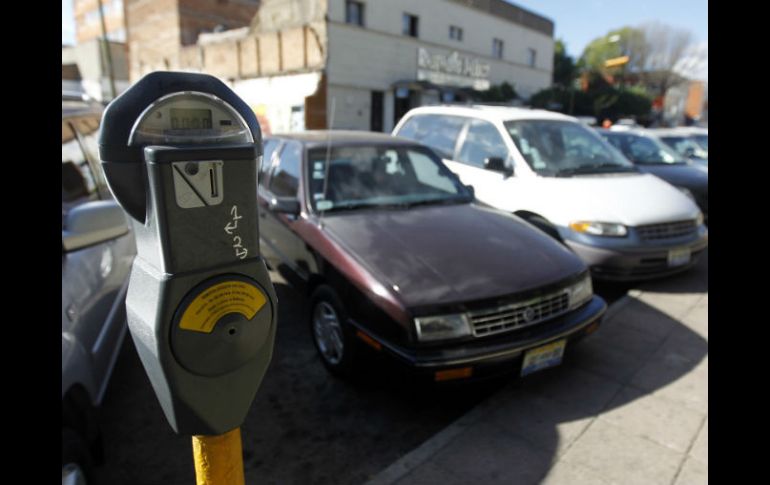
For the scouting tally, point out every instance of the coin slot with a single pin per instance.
(214, 185)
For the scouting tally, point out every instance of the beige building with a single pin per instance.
(305, 64)
(88, 24)
(86, 69)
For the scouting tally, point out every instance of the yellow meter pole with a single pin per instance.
(218, 459)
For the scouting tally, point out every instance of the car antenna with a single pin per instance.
(328, 156)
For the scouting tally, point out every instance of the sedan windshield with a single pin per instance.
(644, 149)
(564, 148)
(380, 176)
(702, 140)
(685, 146)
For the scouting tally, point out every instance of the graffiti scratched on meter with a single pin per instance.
(198, 184)
(230, 229)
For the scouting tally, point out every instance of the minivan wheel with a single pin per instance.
(76, 461)
(331, 333)
(544, 226)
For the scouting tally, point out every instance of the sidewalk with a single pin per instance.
(629, 405)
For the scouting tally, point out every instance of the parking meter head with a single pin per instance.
(121, 141)
(181, 153)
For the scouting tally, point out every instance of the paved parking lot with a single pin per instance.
(308, 427)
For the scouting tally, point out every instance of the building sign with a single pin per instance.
(452, 70)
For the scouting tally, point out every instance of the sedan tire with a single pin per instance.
(332, 335)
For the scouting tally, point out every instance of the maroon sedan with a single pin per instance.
(397, 257)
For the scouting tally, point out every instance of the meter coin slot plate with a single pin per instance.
(198, 184)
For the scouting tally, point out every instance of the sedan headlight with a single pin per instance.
(580, 292)
(599, 228)
(442, 327)
(687, 192)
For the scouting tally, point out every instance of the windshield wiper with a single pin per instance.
(594, 168)
(352, 206)
(444, 201)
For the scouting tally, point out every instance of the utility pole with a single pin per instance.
(107, 51)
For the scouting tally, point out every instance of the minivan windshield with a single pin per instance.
(564, 148)
(644, 149)
(380, 176)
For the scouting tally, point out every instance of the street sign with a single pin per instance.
(616, 61)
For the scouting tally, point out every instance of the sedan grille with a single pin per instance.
(668, 230)
(519, 315)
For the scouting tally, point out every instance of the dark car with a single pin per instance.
(395, 254)
(690, 142)
(651, 155)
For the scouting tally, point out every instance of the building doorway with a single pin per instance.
(375, 123)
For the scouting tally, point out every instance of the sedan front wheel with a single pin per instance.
(331, 333)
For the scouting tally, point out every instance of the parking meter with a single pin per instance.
(180, 152)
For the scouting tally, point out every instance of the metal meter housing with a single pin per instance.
(180, 153)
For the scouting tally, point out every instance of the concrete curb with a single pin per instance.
(407, 463)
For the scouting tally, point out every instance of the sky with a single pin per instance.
(578, 21)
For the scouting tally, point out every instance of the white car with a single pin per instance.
(563, 178)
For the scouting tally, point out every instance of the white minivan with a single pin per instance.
(563, 178)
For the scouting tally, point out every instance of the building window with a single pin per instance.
(455, 33)
(410, 25)
(497, 48)
(354, 13)
(532, 57)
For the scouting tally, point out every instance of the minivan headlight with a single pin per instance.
(699, 219)
(442, 327)
(580, 292)
(599, 228)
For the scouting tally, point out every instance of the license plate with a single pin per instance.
(543, 357)
(678, 257)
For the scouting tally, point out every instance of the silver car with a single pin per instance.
(97, 251)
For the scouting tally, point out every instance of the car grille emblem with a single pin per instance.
(528, 314)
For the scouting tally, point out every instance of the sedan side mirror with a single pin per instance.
(93, 223)
(689, 152)
(285, 205)
(497, 164)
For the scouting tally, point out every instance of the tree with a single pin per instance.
(666, 47)
(564, 69)
(626, 41)
(654, 51)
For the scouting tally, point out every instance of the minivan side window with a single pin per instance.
(437, 131)
(285, 179)
(77, 181)
(88, 130)
(481, 142)
(268, 151)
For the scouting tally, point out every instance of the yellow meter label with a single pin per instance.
(214, 303)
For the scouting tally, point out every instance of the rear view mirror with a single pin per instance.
(497, 164)
(93, 223)
(471, 190)
(285, 205)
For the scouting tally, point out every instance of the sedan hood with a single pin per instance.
(435, 255)
(682, 175)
